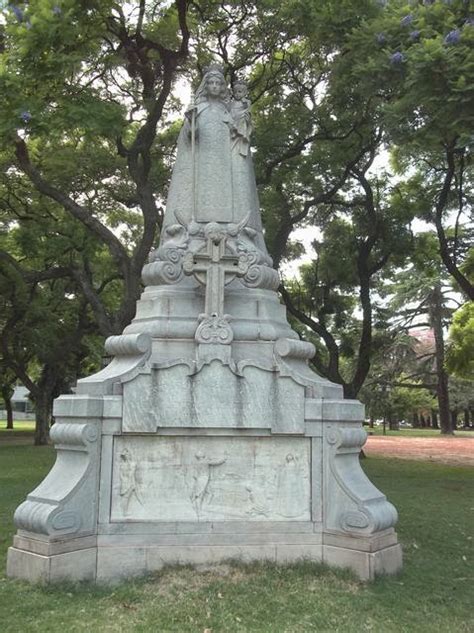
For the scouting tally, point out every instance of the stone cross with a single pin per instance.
(214, 269)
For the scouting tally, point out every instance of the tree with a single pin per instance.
(45, 353)
(7, 382)
(422, 297)
(105, 71)
(460, 358)
(430, 114)
(335, 86)
(461, 396)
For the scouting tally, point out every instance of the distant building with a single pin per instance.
(21, 401)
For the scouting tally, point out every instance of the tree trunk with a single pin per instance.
(436, 305)
(467, 419)
(371, 422)
(416, 421)
(393, 424)
(6, 396)
(434, 417)
(454, 419)
(422, 421)
(43, 405)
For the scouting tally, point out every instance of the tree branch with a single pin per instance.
(441, 203)
(77, 211)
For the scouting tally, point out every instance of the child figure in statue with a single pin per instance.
(240, 111)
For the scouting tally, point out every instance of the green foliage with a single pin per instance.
(460, 354)
(404, 402)
(81, 87)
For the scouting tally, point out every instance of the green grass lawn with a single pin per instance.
(28, 426)
(408, 432)
(434, 593)
(19, 426)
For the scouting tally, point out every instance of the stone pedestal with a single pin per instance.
(207, 437)
(180, 452)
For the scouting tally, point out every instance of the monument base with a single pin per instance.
(190, 462)
(115, 559)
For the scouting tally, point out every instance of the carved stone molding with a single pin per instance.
(65, 502)
(73, 434)
(354, 504)
(214, 329)
(167, 270)
(261, 276)
(353, 438)
(128, 344)
(130, 351)
(294, 348)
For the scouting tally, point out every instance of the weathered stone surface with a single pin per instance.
(211, 479)
(212, 396)
(207, 437)
(73, 566)
(367, 566)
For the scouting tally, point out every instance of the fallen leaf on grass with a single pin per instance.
(132, 607)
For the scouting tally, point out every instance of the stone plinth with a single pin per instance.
(204, 460)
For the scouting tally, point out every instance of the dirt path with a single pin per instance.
(447, 450)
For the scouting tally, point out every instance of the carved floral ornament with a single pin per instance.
(170, 262)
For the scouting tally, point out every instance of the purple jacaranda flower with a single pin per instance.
(415, 35)
(25, 116)
(407, 20)
(57, 10)
(397, 58)
(17, 12)
(453, 37)
(380, 38)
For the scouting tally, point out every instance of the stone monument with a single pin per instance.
(207, 437)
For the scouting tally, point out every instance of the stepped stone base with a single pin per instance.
(121, 504)
(187, 453)
(114, 560)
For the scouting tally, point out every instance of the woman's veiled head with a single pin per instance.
(213, 86)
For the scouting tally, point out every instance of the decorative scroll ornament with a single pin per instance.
(214, 329)
(165, 263)
(262, 277)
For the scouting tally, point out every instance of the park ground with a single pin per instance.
(442, 449)
(433, 593)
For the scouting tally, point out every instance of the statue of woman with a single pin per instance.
(213, 180)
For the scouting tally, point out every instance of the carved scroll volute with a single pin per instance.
(363, 508)
(61, 504)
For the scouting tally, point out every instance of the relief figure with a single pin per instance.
(291, 501)
(201, 478)
(129, 481)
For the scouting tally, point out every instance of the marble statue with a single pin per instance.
(241, 129)
(213, 179)
(207, 437)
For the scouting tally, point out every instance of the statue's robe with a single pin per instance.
(219, 185)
